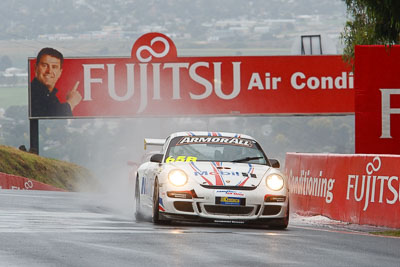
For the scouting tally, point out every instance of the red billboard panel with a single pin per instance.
(377, 99)
(14, 182)
(362, 189)
(154, 81)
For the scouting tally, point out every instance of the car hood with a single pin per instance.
(224, 173)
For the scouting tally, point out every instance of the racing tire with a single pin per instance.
(156, 206)
(138, 214)
(281, 224)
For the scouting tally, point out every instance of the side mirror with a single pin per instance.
(274, 163)
(157, 158)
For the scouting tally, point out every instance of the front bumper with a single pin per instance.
(197, 203)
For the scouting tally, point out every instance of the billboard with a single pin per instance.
(355, 188)
(154, 81)
(377, 99)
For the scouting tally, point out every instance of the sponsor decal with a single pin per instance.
(28, 184)
(228, 221)
(249, 174)
(373, 186)
(234, 201)
(196, 169)
(204, 173)
(215, 140)
(230, 198)
(218, 171)
(252, 175)
(219, 174)
(307, 185)
(229, 193)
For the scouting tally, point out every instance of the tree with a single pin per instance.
(373, 22)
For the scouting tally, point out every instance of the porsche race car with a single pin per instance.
(212, 176)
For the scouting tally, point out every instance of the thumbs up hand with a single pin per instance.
(74, 97)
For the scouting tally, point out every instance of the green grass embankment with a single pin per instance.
(394, 233)
(54, 172)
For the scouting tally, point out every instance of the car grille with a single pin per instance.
(271, 210)
(183, 206)
(228, 210)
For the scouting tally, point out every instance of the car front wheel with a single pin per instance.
(156, 203)
(283, 223)
(138, 215)
(156, 206)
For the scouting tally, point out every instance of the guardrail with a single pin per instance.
(355, 188)
(14, 182)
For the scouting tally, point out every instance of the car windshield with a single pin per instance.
(206, 148)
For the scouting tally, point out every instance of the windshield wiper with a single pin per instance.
(246, 159)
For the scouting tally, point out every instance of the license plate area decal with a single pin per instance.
(230, 201)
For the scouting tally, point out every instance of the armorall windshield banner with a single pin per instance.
(154, 81)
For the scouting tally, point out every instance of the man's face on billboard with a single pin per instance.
(48, 70)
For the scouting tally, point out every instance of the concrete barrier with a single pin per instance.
(9, 181)
(355, 188)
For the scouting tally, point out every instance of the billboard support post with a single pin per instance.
(34, 135)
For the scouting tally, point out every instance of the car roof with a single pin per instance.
(204, 133)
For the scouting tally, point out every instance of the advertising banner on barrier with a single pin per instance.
(362, 189)
(377, 101)
(14, 182)
(154, 81)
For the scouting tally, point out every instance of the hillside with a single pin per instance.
(57, 173)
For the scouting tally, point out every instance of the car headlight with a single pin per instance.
(275, 182)
(177, 177)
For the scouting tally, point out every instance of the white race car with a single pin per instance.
(212, 176)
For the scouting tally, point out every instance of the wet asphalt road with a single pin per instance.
(39, 228)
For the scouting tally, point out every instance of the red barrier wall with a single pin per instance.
(356, 188)
(8, 181)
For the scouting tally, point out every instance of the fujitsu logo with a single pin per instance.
(151, 50)
(364, 187)
(150, 73)
(387, 111)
